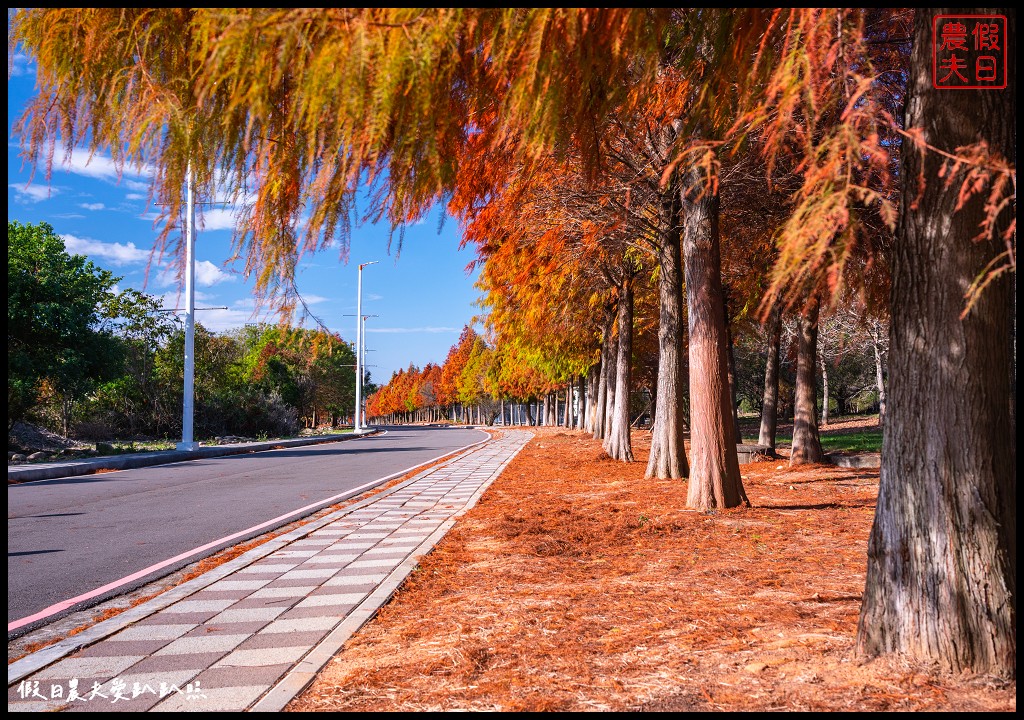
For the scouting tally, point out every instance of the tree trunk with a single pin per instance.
(770, 403)
(593, 388)
(824, 392)
(879, 375)
(667, 458)
(581, 402)
(714, 466)
(941, 575)
(597, 421)
(806, 443)
(609, 381)
(617, 443)
(732, 384)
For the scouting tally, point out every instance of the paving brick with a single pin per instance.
(189, 606)
(242, 615)
(152, 632)
(294, 625)
(209, 643)
(261, 641)
(331, 600)
(87, 667)
(264, 656)
(213, 699)
(282, 592)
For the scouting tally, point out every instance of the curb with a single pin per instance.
(862, 460)
(48, 471)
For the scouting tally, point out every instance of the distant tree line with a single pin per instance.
(489, 383)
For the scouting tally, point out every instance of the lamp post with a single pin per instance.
(187, 442)
(359, 348)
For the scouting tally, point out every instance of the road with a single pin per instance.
(69, 537)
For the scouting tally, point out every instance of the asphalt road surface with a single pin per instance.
(68, 537)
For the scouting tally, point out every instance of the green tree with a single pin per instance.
(133, 403)
(53, 313)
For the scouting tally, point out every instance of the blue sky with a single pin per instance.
(422, 298)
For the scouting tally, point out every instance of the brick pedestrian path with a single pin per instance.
(252, 633)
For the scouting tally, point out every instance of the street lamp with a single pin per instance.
(359, 347)
(187, 442)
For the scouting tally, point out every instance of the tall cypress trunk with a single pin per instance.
(770, 402)
(942, 562)
(601, 409)
(593, 385)
(667, 458)
(609, 381)
(879, 375)
(824, 391)
(732, 384)
(714, 466)
(806, 443)
(581, 402)
(617, 443)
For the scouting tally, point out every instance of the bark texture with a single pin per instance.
(714, 467)
(941, 577)
(667, 458)
(593, 382)
(737, 431)
(617, 444)
(879, 373)
(607, 360)
(806, 442)
(824, 391)
(770, 401)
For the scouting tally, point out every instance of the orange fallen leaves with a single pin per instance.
(575, 584)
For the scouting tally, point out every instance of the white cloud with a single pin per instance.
(314, 299)
(113, 253)
(134, 196)
(95, 165)
(92, 206)
(20, 64)
(374, 296)
(218, 219)
(413, 330)
(33, 192)
(208, 274)
(102, 167)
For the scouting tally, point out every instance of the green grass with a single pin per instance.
(859, 441)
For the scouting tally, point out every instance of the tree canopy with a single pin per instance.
(55, 302)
